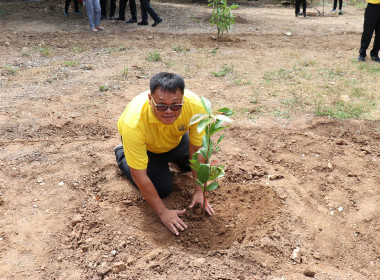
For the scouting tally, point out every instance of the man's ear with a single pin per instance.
(150, 98)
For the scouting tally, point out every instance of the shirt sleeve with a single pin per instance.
(134, 146)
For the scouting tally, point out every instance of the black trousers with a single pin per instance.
(146, 9)
(158, 168)
(298, 5)
(103, 6)
(340, 4)
(132, 7)
(67, 5)
(371, 24)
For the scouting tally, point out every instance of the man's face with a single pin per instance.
(166, 98)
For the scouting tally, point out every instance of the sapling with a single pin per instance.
(211, 122)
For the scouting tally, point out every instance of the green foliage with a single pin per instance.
(154, 56)
(104, 88)
(225, 70)
(125, 71)
(179, 48)
(70, 63)
(222, 16)
(342, 110)
(211, 123)
(43, 50)
(11, 70)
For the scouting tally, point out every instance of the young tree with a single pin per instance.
(212, 123)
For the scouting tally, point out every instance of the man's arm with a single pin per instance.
(198, 193)
(168, 217)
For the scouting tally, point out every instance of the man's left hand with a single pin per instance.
(198, 199)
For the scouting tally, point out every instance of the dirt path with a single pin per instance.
(291, 182)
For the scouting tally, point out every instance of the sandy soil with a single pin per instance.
(67, 212)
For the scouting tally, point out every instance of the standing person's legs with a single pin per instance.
(340, 4)
(144, 11)
(112, 9)
(122, 5)
(103, 7)
(151, 12)
(298, 4)
(376, 41)
(76, 6)
(67, 5)
(335, 4)
(368, 28)
(132, 7)
(304, 7)
(97, 10)
(90, 12)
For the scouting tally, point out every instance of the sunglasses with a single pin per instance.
(163, 108)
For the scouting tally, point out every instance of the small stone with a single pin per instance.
(103, 270)
(61, 184)
(329, 165)
(296, 256)
(40, 180)
(309, 273)
(200, 260)
(288, 33)
(119, 267)
(113, 252)
(76, 219)
(276, 176)
(340, 209)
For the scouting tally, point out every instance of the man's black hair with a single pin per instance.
(167, 82)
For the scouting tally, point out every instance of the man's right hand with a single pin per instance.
(172, 221)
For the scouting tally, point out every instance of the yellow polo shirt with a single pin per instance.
(373, 1)
(142, 131)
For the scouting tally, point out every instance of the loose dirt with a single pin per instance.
(67, 212)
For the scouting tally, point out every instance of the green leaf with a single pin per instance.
(203, 152)
(212, 186)
(216, 172)
(206, 104)
(223, 118)
(220, 138)
(202, 124)
(226, 111)
(197, 117)
(203, 172)
(199, 183)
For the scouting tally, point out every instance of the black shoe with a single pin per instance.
(111, 18)
(131, 20)
(298, 14)
(119, 18)
(103, 17)
(143, 23)
(304, 14)
(157, 22)
(117, 148)
(361, 58)
(78, 12)
(375, 58)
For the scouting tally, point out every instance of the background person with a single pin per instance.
(133, 9)
(93, 13)
(146, 9)
(103, 6)
(298, 6)
(340, 7)
(371, 24)
(67, 5)
(155, 130)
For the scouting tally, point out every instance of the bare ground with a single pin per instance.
(302, 182)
